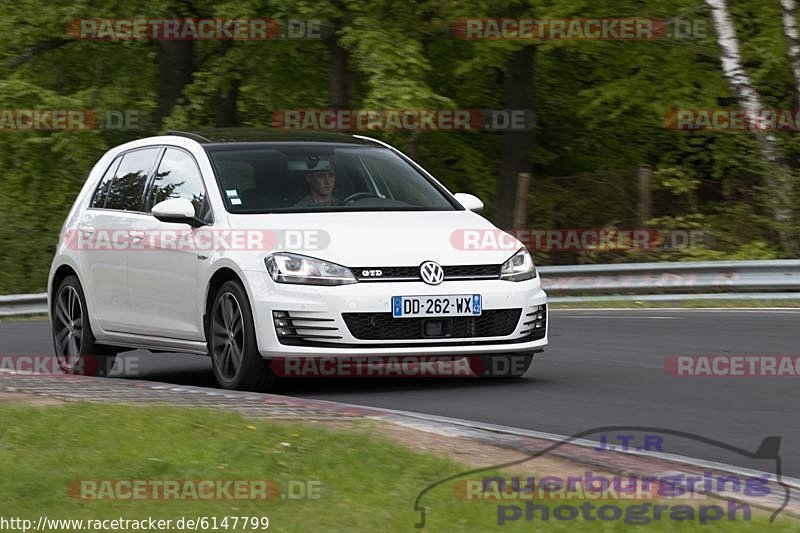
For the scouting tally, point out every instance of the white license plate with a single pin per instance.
(436, 306)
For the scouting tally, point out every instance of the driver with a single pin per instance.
(320, 189)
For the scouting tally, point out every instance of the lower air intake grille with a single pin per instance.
(534, 323)
(381, 326)
(299, 328)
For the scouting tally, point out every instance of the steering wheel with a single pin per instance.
(358, 196)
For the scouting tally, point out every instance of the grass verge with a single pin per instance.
(366, 483)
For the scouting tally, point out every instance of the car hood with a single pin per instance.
(380, 239)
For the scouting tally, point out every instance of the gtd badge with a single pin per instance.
(431, 272)
(371, 273)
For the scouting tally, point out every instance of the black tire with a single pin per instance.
(232, 345)
(500, 365)
(76, 348)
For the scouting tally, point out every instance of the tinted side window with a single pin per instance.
(178, 177)
(128, 185)
(99, 198)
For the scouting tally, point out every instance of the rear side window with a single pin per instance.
(99, 198)
(179, 177)
(128, 186)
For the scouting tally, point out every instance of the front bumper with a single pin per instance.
(326, 305)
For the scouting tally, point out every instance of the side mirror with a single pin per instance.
(469, 201)
(177, 211)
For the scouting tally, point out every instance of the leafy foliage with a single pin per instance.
(600, 109)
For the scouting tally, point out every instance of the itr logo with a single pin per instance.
(627, 443)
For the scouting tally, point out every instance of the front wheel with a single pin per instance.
(232, 344)
(500, 365)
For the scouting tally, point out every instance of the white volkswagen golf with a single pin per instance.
(251, 250)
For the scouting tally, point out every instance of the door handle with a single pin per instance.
(87, 232)
(137, 236)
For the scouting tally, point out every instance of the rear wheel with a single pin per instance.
(232, 344)
(77, 351)
(500, 365)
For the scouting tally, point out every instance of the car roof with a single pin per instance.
(214, 136)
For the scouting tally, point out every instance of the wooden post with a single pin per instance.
(644, 211)
(520, 218)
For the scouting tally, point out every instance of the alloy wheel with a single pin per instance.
(68, 315)
(227, 336)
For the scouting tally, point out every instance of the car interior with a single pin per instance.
(272, 179)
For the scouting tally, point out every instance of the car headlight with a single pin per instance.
(519, 268)
(294, 268)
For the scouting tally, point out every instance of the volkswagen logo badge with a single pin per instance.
(431, 272)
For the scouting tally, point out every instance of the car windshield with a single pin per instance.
(291, 177)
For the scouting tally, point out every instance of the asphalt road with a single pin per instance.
(602, 368)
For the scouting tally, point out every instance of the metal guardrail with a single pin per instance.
(778, 279)
(705, 280)
(23, 304)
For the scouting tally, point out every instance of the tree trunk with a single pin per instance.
(793, 36)
(225, 112)
(778, 177)
(517, 144)
(338, 78)
(520, 218)
(175, 67)
(227, 96)
(644, 211)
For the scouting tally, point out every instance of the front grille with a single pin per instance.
(472, 271)
(382, 326)
(411, 273)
